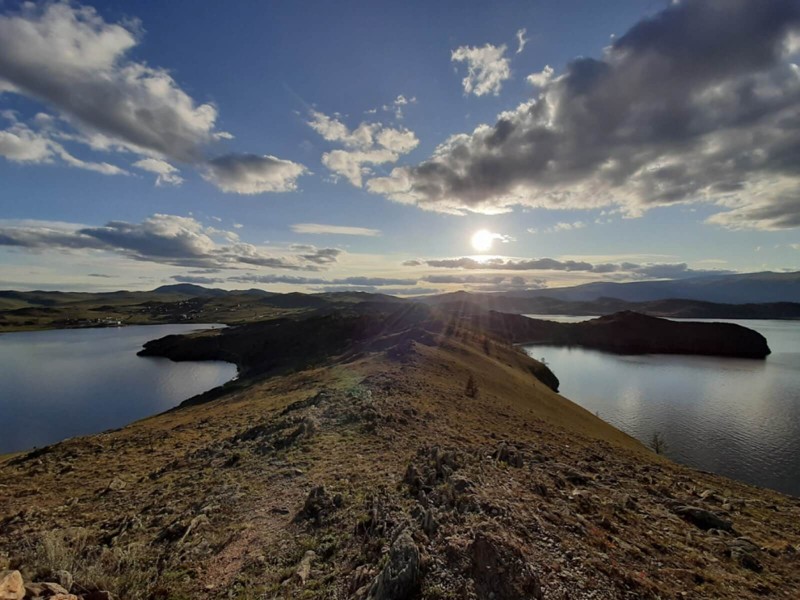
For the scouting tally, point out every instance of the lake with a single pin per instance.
(735, 417)
(67, 382)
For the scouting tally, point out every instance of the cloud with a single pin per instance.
(350, 163)
(19, 143)
(253, 174)
(69, 58)
(166, 174)
(521, 40)
(165, 239)
(698, 103)
(413, 263)
(320, 228)
(367, 144)
(487, 68)
(542, 78)
(398, 105)
(410, 291)
(295, 280)
(634, 270)
(559, 227)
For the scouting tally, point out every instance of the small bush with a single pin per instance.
(658, 443)
(471, 389)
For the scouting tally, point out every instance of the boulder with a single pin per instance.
(44, 589)
(704, 519)
(400, 576)
(12, 587)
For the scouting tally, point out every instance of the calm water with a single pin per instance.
(63, 383)
(735, 417)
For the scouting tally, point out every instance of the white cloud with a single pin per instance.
(19, 143)
(367, 144)
(320, 228)
(69, 58)
(253, 174)
(487, 68)
(397, 106)
(664, 116)
(542, 78)
(521, 40)
(559, 227)
(166, 174)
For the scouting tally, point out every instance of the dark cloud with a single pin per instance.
(628, 269)
(508, 264)
(253, 174)
(700, 102)
(167, 239)
(348, 281)
(410, 291)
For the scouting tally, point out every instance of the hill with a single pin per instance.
(404, 462)
(745, 288)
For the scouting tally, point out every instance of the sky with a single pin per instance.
(406, 148)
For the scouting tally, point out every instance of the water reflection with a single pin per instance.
(736, 417)
(59, 384)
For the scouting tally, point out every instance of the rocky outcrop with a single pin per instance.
(400, 576)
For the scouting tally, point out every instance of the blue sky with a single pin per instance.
(149, 143)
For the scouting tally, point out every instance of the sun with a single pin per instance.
(482, 240)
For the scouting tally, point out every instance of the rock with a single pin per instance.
(704, 519)
(303, 571)
(399, 578)
(64, 597)
(743, 551)
(44, 590)
(509, 455)
(500, 570)
(64, 578)
(12, 587)
(116, 485)
(318, 505)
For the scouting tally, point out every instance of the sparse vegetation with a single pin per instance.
(471, 389)
(658, 443)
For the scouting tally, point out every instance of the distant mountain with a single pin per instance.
(729, 289)
(190, 289)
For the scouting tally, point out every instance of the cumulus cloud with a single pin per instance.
(698, 103)
(70, 59)
(487, 68)
(367, 144)
(165, 173)
(165, 239)
(320, 228)
(542, 78)
(253, 174)
(22, 144)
